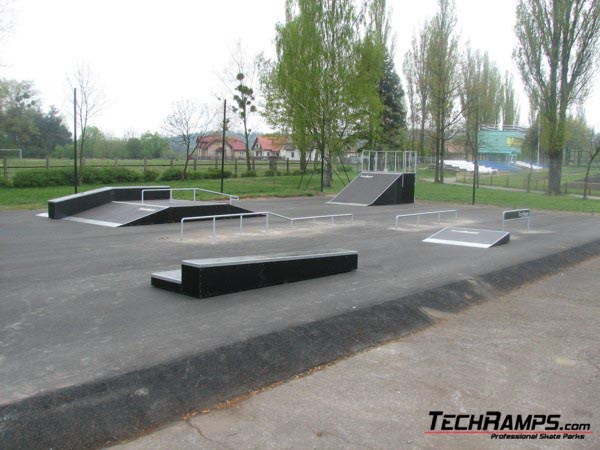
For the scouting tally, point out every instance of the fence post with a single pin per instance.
(288, 165)
(83, 161)
(145, 164)
(235, 166)
(254, 163)
(5, 166)
(172, 162)
(47, 163)
(195, 163)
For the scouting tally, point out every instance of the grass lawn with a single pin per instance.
(287, 186)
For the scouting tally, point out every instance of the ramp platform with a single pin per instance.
(469, 237)
(119, 207)
(378, 188)
(386, 178)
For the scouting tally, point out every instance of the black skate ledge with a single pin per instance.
(112, 409)
(203, 278)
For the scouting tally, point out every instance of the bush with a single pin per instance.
(215, 174)
(271, 173)
(297, 172)
(42, 178)
(151, 175)
(109, 175)
(248, 174)
(171, 174)
(4, 183)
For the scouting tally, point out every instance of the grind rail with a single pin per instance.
(428, 213)
(266, 214)
(170, 190)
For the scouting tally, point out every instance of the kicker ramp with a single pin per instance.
(377, 188)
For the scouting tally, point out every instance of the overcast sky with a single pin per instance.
(149, 53)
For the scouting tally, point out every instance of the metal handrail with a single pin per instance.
(261, 213)
(439, 213)
(231, 197)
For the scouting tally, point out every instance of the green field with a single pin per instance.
(287, 186)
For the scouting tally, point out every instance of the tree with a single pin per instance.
(481, 96)
(91, 100)
(393, 117)
(417, 76)
(443, 80)
(188, 121)
(154, 145)
(244, 99)
(316, 87)
(52, 131)
(510, 104)
(593, 153)
(556, 53)
(18, 113)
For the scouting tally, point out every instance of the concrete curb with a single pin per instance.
(105, 411)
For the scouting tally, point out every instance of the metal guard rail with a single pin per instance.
(418, 215)
(267, 214)
(231, 197)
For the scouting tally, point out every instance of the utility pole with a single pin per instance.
(223, 152)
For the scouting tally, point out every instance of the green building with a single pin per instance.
(502, 145)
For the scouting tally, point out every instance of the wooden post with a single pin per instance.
(235, 166)
(288, 165)
(5, 166)
(47, 163)
(195, 164)
(172, 162)
(145, 164)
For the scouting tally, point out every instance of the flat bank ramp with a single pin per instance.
(115, 214)
(365, 189)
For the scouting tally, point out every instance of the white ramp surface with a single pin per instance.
(469, 237)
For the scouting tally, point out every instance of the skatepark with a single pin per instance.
(88, 342)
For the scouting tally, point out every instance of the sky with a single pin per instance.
(148, 54)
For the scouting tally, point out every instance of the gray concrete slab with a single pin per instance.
(77, 302)
(534, 351)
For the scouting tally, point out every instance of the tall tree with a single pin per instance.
(393, 116)
(556, 53)
(317, 87)
(510, 104)
(443, 79)
(417, 75)
(52, 131)
(188, 121)
(480, 96)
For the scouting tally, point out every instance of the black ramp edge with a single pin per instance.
(59, 208)
(105, 411)
(366, 188)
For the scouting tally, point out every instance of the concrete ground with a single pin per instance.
(534, 351)
(77, 307)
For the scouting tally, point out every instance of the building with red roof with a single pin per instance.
(211, 147)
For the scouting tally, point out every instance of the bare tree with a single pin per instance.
(556, 55)
(91, 101)
(188, 121)
(240, 80)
